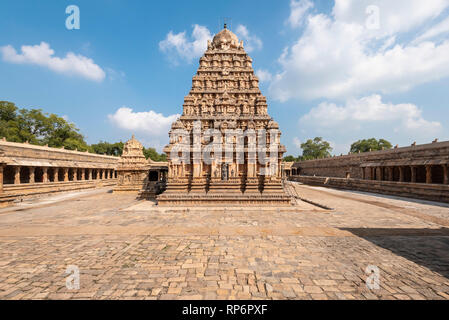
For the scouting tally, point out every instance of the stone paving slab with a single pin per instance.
(126, 249)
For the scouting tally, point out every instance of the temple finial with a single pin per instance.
(225, 25)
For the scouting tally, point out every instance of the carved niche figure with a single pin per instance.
(204, 107)
(245, 108)
(252, 109)
(225, 172)
(238, 111)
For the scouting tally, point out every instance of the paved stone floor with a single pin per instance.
(129, 249)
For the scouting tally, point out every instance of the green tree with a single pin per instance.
(315, 149)
(291, 159)
(38, 128)
(372, 144)
(154, 155)
(111, 149)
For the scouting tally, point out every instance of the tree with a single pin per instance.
(154, 155)
(38, 128)
(372, 144)
(315, 149)
(111, 149)
(290, 159)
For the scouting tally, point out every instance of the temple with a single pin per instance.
(137, 175)
(225, 97)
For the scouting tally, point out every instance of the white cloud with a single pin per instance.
(338, 57)
(179, 47)
(251, 42)
(394, 16)
(264, 75)
(439, 29)
(298, 9)
(43, 55)
(149, 123)
(368, 117)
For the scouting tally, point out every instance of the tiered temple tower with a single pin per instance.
(225, 96)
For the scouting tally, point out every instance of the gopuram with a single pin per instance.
(225, 149)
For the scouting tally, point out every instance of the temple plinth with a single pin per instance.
(215, 167)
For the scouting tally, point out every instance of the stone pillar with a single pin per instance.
(363, 173)
(1, 177)
(89, 174)
(66, 174)
(401, 174)
(413, 170)
(101, 174)
(83, 174)
(17, 175)
(55, 174)
(75, 174)
(446, 174)
(44, 175)
(32, 174)
(428, 174)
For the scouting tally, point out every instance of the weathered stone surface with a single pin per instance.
(28, 171)
(129, 249)
(225, 96)
(137, 175)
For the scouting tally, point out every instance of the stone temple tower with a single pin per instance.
(225, 97)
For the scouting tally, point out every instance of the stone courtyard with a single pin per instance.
(318, 249)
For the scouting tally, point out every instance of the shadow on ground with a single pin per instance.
(426, 247)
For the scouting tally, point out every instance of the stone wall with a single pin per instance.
(418, 171)
(432, 192)
(418, 163)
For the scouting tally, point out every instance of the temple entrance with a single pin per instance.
(153, 176)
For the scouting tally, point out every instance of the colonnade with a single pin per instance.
(17, 175)
(430, 174)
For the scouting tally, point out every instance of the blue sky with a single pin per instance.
(334, 69)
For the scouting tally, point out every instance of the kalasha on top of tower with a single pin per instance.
(226, 39)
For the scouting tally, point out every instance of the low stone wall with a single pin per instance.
(19, 192)
(433, 192)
